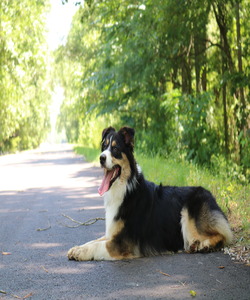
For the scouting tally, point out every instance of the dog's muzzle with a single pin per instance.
(103, 159)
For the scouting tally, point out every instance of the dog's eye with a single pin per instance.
(115, 149)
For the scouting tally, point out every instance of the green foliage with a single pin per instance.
(24, 93)
(90, 154)
(200, 137)
(176, 71)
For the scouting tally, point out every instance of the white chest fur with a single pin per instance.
(112, 201)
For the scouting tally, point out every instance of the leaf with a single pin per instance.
(192, 293)
(6, 253)
(17, 297)
(165, 274)
(221, 267)
(44, 269)
(27, 296)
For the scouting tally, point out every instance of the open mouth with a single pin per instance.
(109, 178)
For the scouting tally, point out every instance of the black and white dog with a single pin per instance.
(143, 218)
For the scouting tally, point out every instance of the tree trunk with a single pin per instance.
(174, 78)
(224, 100)
(242, 108)
(200, 35)
(220, 16)
(186, 78)
(204, 79)
(197, 64)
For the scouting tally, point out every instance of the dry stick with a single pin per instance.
(165, 274)
(87, 223)
(15, 296)
(43, 229)
(44, 269)
(3, 292)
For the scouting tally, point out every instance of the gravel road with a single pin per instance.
(38, 189)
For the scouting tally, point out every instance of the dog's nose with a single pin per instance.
(102, 159)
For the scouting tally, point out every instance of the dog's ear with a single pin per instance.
(128, 135)
(106, 131)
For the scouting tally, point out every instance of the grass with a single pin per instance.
(89, 154)
(233, 198)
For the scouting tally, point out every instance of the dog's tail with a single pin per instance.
(220, 224)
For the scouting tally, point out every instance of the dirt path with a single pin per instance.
(36, 189)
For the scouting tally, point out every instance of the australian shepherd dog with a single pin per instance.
(143, 218)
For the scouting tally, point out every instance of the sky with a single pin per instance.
(58, 25)
(59, 21)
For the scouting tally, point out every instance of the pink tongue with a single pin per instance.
(106, 182)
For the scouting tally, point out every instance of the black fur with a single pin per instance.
(152, 214)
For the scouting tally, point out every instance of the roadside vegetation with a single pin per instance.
(25, 90)
(176, 71)
(233, 197)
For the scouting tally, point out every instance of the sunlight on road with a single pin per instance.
(33, 169)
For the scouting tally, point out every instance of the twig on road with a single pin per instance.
(87, 223)
(3, 292)
(43, 229)
(165, 274)
(15, 296)
(44, 269)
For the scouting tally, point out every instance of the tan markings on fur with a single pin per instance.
(125, 166)
(215, 239)
(211, 229)
(122, 250)
(113, 143)
(119, 249)
(206, 222)
(222, 227)
(117, 227)
(213, 223)
(189, 231)
(107, 141)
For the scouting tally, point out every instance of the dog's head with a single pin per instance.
(117, 156)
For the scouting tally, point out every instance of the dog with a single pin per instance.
(143, 218)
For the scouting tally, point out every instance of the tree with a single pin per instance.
(168, 68)
(24, 90)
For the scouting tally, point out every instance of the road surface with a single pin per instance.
(38, 190)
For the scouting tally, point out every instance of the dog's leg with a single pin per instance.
(211, 234)
(103, 238)
(94, 250)
(103, 249)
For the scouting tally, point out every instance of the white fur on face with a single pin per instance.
(108, 164)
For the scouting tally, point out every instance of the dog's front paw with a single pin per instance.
(80, 253)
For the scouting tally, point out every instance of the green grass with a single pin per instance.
(233, 198)
(89, 154)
